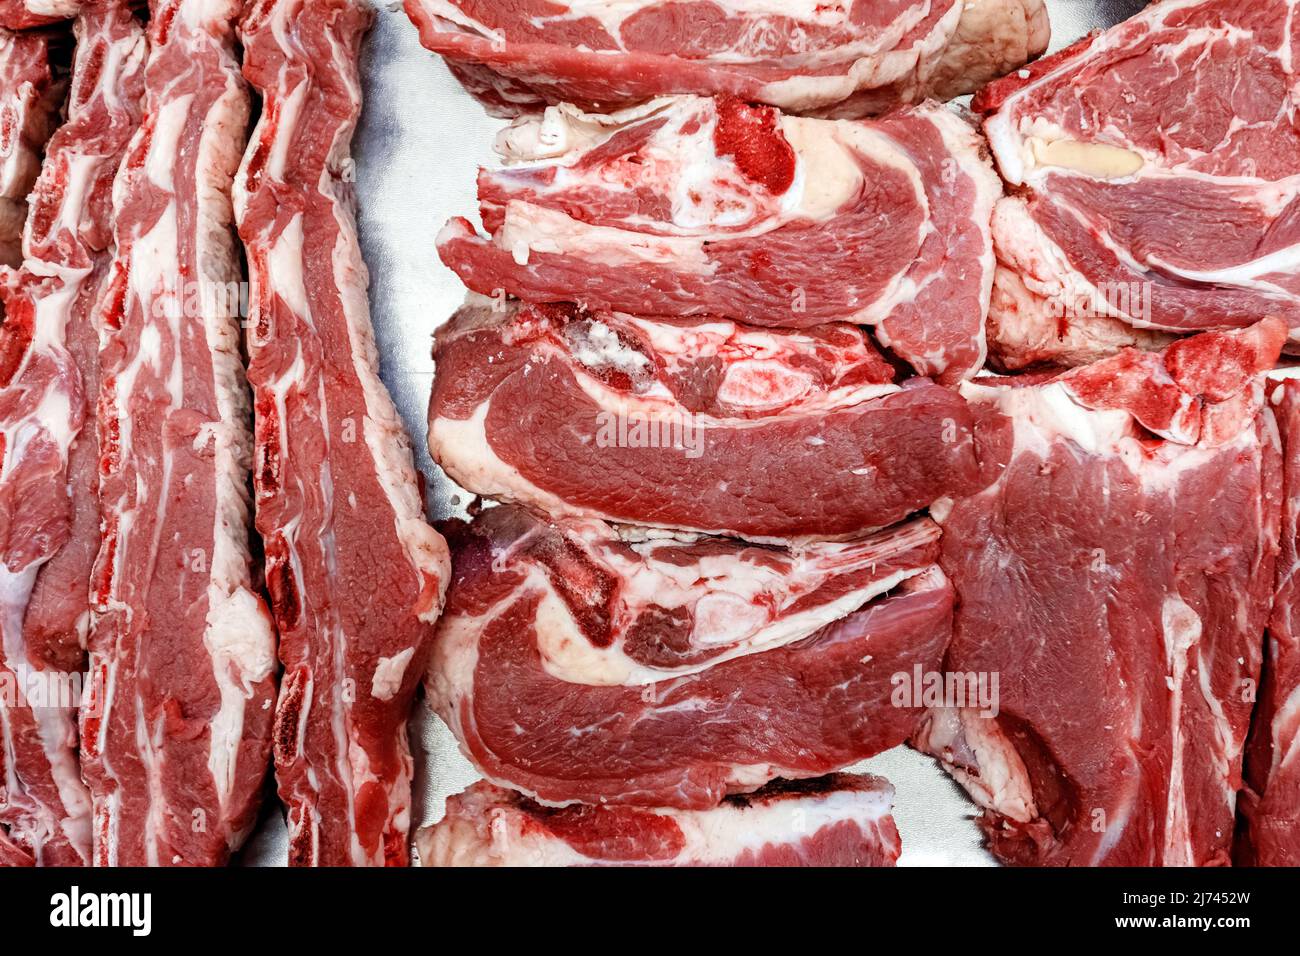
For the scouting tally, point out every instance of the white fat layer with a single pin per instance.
(165, 146)
(998, 779)
(721, 620)
(506, 836)
(1043, 415)
(907, 69)
(1182, 631)
(462, 449)
(240, 641)
(389, 674)
(528, 228)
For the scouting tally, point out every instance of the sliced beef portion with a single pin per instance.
(49, 512)
(356, 575)
(636, 608)
(563, 679)
(710, 207)
(695, 425)
(176, 733)
(851, 58)
(1156, 168)
(1117, 577)
(1271, 801)
(25, 14)
(840, 820)
(31, 91)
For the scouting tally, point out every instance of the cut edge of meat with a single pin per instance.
(348, 792)
(840, 820)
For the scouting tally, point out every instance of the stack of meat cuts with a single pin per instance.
(720, 359)
(708, 570)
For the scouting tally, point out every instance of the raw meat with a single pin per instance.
(49, 515)
(638, 609)
(1117, 577)
(563, 677)
(31, 89)
(850, 58)
(704, 207)
(356, 575)
(699, 425)
(1271, 802)
(841, 820)
(176, 735)
(1156, 170)
(25, 14)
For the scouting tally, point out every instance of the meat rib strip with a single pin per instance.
(1271, 801)
(176, 735)
(841, 820)
(355, 573)
(49, 515)
(848, 58)
(709, 207)
(563, 680)
(1117, 576)
(1156, 169)
(25, 14)
(31, 90)
(693, 425)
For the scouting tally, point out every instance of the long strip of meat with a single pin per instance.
(356, 575)
(49, 513)
(1270, 803)
(30, 94)
(176, 734)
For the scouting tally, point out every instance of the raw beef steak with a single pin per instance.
(850, 58)
(564, 676)
(710, 207)
(695, 425)
(1156, 175)
(1117, 576)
